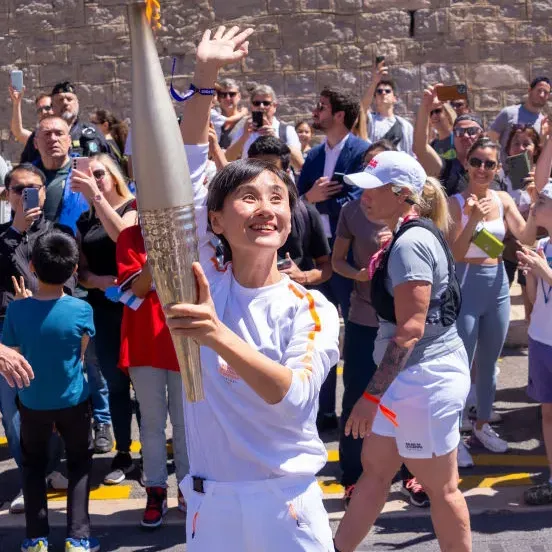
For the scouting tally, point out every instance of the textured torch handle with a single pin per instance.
(171, 243)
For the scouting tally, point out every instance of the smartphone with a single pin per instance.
(452, 92)
(379, 59)
(518, 168)
(17, 80)
(338, 177)
(258, 119)
(30, 198)
(81, 164)
(282, 264)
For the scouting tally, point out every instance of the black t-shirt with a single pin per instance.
(307, 240)
(99, 250)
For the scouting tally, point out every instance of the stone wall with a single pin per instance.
(496, 46)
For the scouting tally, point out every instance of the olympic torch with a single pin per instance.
(164, 188)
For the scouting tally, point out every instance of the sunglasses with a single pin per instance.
(47, 108)
(264, 103)
(382, 91)
(470, 131)
(98, 174)
(18, 190)
(437, 111)
(227, 94)
(476, 163)
(457, 105)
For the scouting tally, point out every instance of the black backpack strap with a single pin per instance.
(395, 133)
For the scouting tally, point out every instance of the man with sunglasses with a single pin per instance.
(43, 104)
(17, 239)
(466, 130)
(461, 107)
(263, 100)
(382, 122)
(528, 114)
(86, 139)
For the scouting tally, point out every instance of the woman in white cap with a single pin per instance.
(410, 410)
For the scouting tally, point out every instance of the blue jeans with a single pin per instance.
(107, 341)
(358, 369)
(99, 393)
(338, 291)
(483, 320)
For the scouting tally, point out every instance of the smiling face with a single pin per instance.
(228, 98)
(539, 95)
(521, 142)
(466, 134)
(256, 215)
(482, 166)
(305, 134)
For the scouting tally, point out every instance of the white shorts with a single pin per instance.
(427, 399)
(272, 515)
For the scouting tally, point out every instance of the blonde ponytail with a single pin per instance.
(433, 204)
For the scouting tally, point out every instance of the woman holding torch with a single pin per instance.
(267, 345)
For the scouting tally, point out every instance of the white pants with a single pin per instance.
(285, 514)
(427, 399)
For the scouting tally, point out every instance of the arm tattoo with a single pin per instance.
(393, 362)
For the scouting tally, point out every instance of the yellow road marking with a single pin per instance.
(333, 456)
(508, 480)
(3, 441)
(331, 487)
(340, 370)
(136, 447)
(114, 492)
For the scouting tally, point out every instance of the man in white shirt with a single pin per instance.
(383, 123)
(263, 100)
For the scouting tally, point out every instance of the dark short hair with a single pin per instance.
(41, 96)
(243, 171)
(468, 117)
(481, 143)
(302, 122)
(343, 101)
(538, 80)
(28, 167)
(270, 145)
(64, 87)
(389, 82)
(55, 256)
(383, 144)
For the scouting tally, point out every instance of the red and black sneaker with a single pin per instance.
(414, 490)
(347, 496)
(156, 507)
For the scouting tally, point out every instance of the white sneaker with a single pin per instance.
(57, 481)
(496, 418)
(465, 459)
(489, 438)
(17, 505)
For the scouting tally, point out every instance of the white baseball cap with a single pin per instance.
(390, 167)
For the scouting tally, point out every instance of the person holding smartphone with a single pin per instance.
(26, 195)
(263, 122)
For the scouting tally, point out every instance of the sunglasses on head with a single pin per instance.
(264, 103)
(476, 163)
(437, 111)
(382, 91)
(470, 131)
(98, 174)
(18, 190)
(227, 94)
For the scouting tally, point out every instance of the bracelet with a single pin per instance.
(387, 412)
(191, 91)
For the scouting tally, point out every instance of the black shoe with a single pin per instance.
(103, 440)
(326, 422)
(412, 489)
(121, 465)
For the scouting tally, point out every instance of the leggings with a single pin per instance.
(484, 319)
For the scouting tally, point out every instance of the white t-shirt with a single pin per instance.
(378, 126)
(292, 140)
(234, 435)
(540, 327)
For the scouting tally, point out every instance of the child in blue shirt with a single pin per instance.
(51, 330)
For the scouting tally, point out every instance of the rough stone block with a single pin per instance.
(407, 79)
(392, 24)
(318, 57)
(498, 77)
(487, 100)
(541, 9)
(259, 61)
(317, 5)
(99, 72)
(444, 73)
(302, 30)
(430, 23)
(350, 56)
(287, 59)
(532, 33)
(300, 84)
(53, 73)
(348, 6)
(498, 31)
(346, 80)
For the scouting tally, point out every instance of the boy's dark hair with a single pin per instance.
(24, 167)
(270, 145)
(388, 82)
(383, 144)
(243, 171)
(342, 101)
(55, 256)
